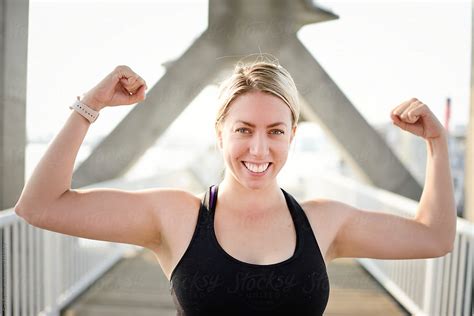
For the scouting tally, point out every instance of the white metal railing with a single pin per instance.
(43, 270)
(436, 286)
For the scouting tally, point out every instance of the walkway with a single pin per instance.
(137, 286)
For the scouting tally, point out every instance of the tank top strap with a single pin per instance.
(210, 198)
(213, 197)
(302, 224)
(294, 208)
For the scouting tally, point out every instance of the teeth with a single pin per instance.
(256, 168)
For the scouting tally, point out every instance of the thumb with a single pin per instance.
(127, 82)
(138, 96)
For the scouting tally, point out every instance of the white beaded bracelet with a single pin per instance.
(90, 114)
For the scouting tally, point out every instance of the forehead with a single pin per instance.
(260, 108)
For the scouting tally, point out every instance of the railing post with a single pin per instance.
(434, 285)
(49, 288)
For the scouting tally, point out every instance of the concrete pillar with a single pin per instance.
(237, 29)
(359, 143)
(13, 74)
(469, 161)
(183, 81)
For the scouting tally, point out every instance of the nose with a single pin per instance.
(259, 145)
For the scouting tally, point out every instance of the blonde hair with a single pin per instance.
(265, 76)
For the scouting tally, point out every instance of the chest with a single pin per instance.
(256, 239)
(241, 271)
(247, 239)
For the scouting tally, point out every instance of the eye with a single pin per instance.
(278, 132)
(242, 129)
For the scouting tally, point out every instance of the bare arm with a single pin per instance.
(369, 234)
(52, 176)
(437, 208)
(48, 202)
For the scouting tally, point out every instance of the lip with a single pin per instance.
(257, 174)
(257, 163)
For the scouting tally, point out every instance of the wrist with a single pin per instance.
(437, 145)
(90, 102)
(83, 109)
(442, 137)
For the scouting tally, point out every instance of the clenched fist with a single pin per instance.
(415, 117)
(121, 87)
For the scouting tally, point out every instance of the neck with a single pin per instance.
(243, 200)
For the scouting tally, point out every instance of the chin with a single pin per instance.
(253, 186)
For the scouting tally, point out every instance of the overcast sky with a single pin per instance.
(380, 53)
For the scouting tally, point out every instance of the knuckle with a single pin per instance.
(122, 68)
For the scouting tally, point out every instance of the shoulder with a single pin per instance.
(175, 211)
(327, 211)
(172, 200)
(172, 205)
(326, 218)
(319, 206)
(325, 207)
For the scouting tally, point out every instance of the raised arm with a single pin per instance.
(48, 202)
(437, 207)
(431, 233)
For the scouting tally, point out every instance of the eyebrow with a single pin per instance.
(253, 125)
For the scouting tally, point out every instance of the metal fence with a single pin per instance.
(43, 271)
(436, 286)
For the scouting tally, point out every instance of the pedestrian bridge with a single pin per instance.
(48, 273)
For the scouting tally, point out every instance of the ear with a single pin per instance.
(219, 138)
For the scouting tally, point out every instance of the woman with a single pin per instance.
(245, 247)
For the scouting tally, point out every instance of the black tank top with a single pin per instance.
(209, 281)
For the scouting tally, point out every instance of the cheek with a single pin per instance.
(235, 149)
(282, 147)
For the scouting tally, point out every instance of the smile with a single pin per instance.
(256, 168)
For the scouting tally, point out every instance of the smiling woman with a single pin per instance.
(266, 91)
(265, 258)
(255, 134)
(246, 247)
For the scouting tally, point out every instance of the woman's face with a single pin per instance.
(255, 138)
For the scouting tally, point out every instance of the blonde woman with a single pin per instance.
(246, 246)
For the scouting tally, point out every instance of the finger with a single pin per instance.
(133, 83)
(124, 72)
(140, 95)
(399, 109)
(405, 115)
(397, 121)
(414, 113)
(128, 82)
(138, 83)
